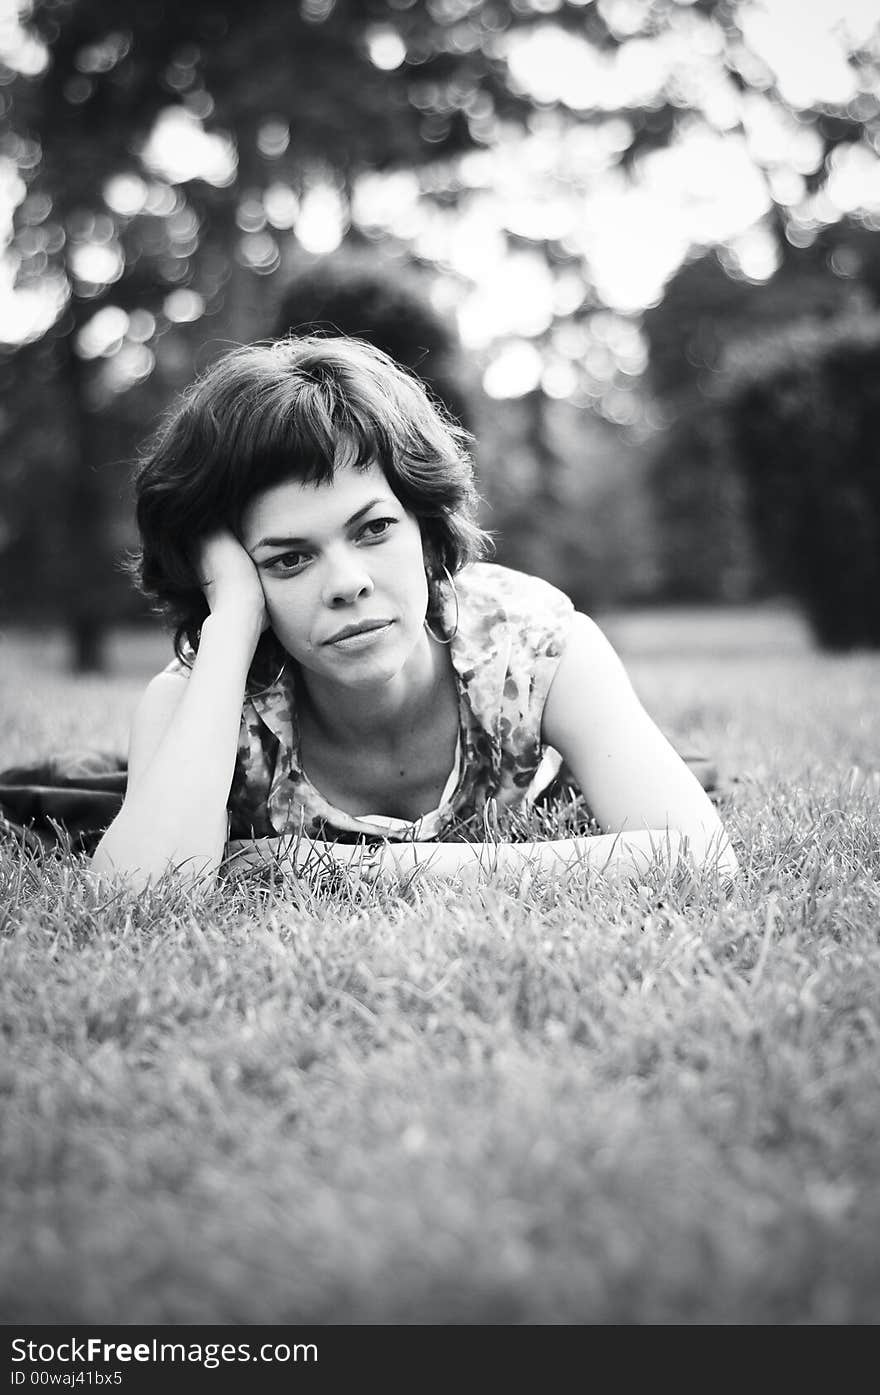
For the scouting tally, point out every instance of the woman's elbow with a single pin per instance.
(122, 861)
(710, 851)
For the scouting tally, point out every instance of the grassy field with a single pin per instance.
(539, 1102)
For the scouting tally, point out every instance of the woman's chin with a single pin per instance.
(358, 663)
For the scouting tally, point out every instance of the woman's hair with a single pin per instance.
(295, 409)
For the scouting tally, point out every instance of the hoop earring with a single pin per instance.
(260, 691)
(457, 613)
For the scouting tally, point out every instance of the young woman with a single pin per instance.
(351, 681)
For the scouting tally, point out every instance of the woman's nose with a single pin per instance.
(347, 579)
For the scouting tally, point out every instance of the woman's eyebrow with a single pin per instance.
(299, 542)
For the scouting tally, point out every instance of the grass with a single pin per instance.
(540, 1102)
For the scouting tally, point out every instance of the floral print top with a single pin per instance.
(511, 634)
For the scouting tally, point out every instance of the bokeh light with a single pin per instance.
(179, 148)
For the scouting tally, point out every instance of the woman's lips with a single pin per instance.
(360, 637)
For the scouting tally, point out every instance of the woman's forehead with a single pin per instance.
(302, 508)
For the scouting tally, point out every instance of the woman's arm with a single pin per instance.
(629, 856)
(632, 778)
(606, 853)
(184, 739)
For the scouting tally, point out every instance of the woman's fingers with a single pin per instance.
(229, 578)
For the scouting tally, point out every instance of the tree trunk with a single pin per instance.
(87, 561)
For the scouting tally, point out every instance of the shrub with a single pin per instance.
(701, 541)
(360, 292)
(803, 412)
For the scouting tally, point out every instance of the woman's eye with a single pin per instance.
(288, 561)
(377, 526)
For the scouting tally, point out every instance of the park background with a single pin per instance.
(634, 245)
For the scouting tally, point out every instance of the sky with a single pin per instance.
(712, 187)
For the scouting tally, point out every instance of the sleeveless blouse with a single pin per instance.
(511, 634)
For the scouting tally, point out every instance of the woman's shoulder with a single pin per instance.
(512, 633)
(512, 596)
(157, 705)
(163, 692)
(182, 656)
(178, 667)
(160, 697)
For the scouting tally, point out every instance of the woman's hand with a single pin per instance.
(230, 580)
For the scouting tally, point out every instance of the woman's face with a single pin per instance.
(343, 574)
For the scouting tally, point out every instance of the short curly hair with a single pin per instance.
(295, 409)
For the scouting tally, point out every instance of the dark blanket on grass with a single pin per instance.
(71, 798)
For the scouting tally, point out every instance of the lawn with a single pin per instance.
(538, 1101)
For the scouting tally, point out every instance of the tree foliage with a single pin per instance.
(705, 310)
(299, 86)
